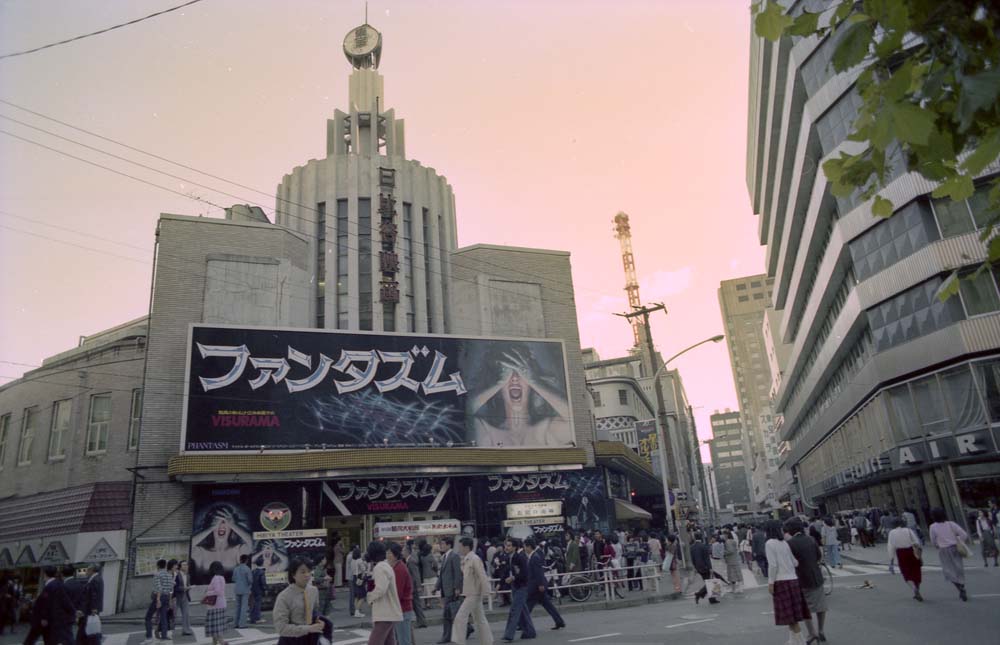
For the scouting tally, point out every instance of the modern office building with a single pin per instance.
(890, 397)
(729, 462)
(743, 302)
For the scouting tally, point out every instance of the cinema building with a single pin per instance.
(347, 371)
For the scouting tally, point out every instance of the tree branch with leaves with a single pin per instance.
(929, 83)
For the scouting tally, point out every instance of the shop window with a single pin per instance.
(963, 398)
(904, 415)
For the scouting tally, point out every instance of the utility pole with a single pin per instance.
(666, 448)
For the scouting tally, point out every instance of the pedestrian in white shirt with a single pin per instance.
(790, 606)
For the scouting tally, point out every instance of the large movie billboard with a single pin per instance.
(252, 389)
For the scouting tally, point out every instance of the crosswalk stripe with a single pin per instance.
(247, 636)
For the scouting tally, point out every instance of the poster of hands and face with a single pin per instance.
(227, 518)
(255, 389)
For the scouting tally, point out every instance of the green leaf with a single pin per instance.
(912, 124)
(882, 207)
(804, 25)
(994, 247)
(949, 287)
(979, 91)
(987, 151)
(897, 87)
(772, 21)
(843, 10)
(854, 46)
(959, 187)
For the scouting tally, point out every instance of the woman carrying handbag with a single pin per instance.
(949, 538)
(215, 600)
(904, 548)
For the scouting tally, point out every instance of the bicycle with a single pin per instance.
(580, 587)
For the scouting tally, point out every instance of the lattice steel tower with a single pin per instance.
(624, 234)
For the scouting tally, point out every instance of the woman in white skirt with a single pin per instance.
(949, 537)
(215, 619)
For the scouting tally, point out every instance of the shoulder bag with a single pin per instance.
(963, 549)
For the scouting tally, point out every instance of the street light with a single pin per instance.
(661, 415)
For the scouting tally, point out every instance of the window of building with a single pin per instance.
(912, 314)
(931, 408)
(99, 423)
(954, 218)
(59, 428)
(28, 423)
(342, 266)
(988, 378)
(427, 268)
(135, 416)
(979, 293)
(411, 312)
(744, 298)
(321, 265)
(979, 204)
(623, 397)
(836, 123)
(758, 296)
(597, 398)
(910, 229)
(755, 284)
(741, 287)
(365, 264)
(964, 399)
(4, 433)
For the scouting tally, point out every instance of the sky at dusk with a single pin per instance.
(546, 117)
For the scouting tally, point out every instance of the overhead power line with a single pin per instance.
(98, 32)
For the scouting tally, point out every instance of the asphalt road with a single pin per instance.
(886, 615)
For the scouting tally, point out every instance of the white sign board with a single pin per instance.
(417, 529)
(537, 521)
(533, 510)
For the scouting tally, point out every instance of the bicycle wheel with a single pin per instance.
(581, 593)
(827, 580)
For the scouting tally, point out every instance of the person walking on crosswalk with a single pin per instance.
(807, 554)
(295, 615)
(790, 606)
(949, 538)
(904, 548)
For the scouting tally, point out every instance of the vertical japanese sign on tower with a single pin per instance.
(388, 258)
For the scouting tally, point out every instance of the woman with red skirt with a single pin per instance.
(904, 547)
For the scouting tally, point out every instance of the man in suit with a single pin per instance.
(92, 603)
(475, 585)
(54, 614)
(519, 617)
(413, 566)
(449, 583)
(242, 581)
(538, 585)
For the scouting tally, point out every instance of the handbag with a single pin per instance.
(93, 626)
(668, 560)
(209, 600)
(960, 546)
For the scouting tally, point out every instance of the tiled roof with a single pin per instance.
(371, 458)
(94, 507)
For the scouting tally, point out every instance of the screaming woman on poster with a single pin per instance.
(220, 537)
(517, 422)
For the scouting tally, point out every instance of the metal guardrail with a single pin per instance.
(605, 577)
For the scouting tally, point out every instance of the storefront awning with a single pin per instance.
(626, 511)
(105, 506)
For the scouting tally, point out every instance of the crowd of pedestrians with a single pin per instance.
(65, 611)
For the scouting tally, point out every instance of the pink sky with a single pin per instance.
(547, 119)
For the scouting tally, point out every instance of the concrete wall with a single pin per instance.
(207, 270)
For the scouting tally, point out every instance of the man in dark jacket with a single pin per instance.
(53, 613)
(449, 584)
(74, 590)
(518, 618)
(757, 542)
(92, 604)
(538, 586)
(701, 559)
(808, 554)
(501, 569)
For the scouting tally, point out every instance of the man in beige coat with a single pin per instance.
(475, 586)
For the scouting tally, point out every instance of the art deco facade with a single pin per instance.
(890, 397)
